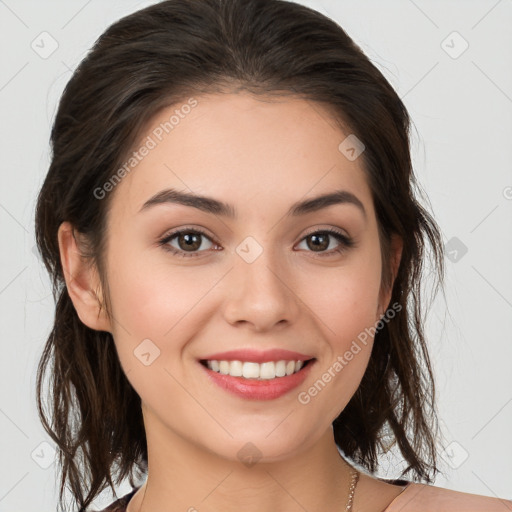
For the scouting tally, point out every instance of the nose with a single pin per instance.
(260, 294)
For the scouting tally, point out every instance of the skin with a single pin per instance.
(261, 157)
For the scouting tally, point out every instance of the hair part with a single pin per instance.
(152, 59)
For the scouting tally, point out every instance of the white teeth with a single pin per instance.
(236, 368)
(267, 370)
(281, 369)
(224, 367)
(250, 370)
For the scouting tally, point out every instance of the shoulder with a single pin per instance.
(417, 497)
(120, 504)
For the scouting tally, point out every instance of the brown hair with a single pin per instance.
(152, 59)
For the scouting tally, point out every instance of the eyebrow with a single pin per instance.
(211, 205)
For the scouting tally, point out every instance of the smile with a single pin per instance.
(252, 370)
(257, 381)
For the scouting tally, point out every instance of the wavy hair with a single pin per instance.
(152, 59)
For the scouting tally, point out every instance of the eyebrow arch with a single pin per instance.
(211, 205)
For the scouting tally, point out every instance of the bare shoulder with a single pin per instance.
(424, 498)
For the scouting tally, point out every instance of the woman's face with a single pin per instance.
(258, 279)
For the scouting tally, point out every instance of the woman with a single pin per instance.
(203, 153)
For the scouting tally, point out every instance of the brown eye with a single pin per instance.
(186, 242)
(320, 241)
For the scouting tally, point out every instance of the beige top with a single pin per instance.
(417, 497)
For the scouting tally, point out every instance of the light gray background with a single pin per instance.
(461, 106)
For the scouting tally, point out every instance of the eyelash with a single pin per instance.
(345, 242)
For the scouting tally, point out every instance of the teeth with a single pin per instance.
(250, 370)
(224, 367)
(268, 370)
(236, 368)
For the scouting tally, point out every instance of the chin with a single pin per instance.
(259, 447)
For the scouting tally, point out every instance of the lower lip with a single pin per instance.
(259, 389)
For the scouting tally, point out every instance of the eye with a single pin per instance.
(188, 242)
(320, 240)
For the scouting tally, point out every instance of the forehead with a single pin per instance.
(244, 149)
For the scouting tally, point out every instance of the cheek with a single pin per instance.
(150, 301)
(345, 304)
(346, 300)
(148, 296)
(151, 312)
(345, 313)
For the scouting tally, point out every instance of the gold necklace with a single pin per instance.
(354, 478)
(354, 474)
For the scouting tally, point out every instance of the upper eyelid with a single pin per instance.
(172, 233)
(204, 232)
(340, 231)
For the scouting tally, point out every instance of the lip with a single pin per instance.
(257, 356)
(255, 389)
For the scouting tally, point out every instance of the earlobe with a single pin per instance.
(82, 280)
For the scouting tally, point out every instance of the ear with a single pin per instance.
(82, 280)
(396, 246)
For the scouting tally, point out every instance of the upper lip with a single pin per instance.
(257, 356)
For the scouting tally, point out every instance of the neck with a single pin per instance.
(317, 478)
